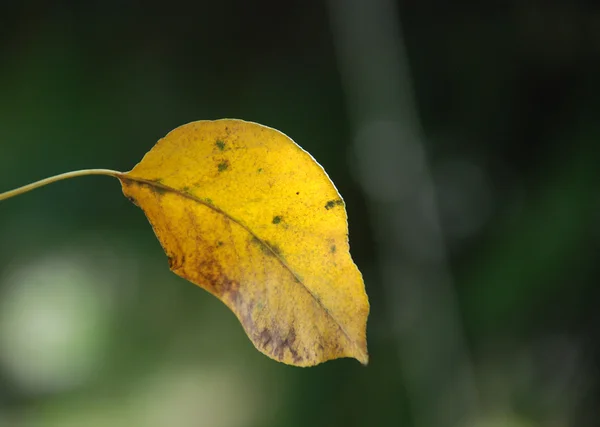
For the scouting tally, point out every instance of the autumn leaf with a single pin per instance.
(245, 213)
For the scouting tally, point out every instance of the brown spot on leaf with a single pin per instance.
(276, 219)
(332, 249)
(228, 286)
(220, 144)
(265, 337)
(271, 340)
(175, 262)
(216, 279)
(280, 345)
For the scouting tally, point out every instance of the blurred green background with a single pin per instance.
(464, 139)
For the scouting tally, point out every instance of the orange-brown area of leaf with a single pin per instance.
(245, 213)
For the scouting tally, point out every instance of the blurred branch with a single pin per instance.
(393, 171)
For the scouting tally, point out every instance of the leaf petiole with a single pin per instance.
(60, 177)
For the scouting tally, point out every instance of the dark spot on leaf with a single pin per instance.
(276, 219)
(265, 337)
(175, 261)
(266, 247)
(158, 190)
(219, 244)
(333, 203)
(260, 170)
(273, 339)
(223, 165)
(280, 345)
(216, 279)
(276, 249)
(332, 249)
(297, 193)
(220, 144)
(208, 200)
(228, 286)
(185, 189)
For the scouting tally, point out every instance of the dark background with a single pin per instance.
(484, 298)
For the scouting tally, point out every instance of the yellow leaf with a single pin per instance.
(245, 213)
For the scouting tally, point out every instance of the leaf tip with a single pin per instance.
(362, 356)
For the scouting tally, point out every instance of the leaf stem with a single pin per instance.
(60, 177)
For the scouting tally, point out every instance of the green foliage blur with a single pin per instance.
(95, 330)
